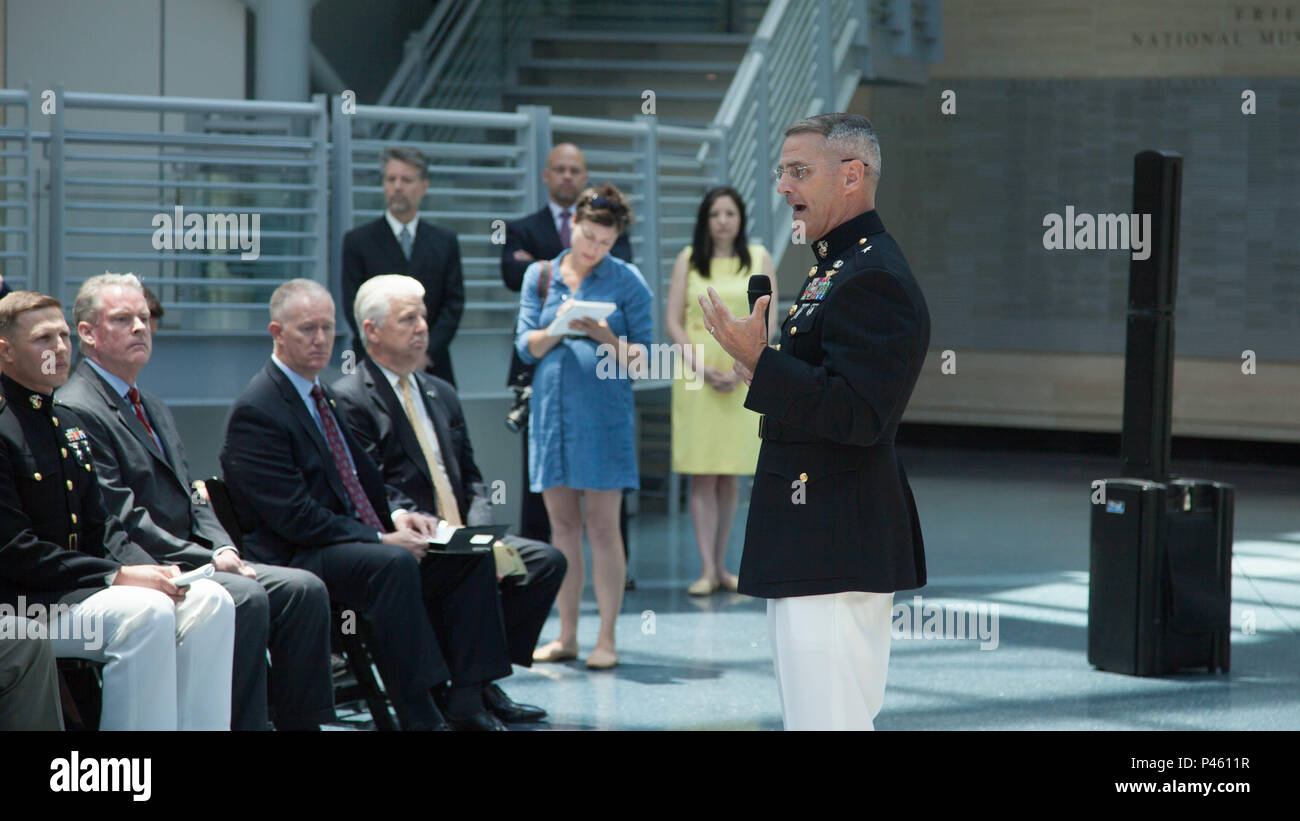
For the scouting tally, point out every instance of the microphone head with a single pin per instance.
(759, 285)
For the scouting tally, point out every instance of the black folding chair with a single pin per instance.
(364, 686)
(80, 691)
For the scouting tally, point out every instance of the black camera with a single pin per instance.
(517, 416)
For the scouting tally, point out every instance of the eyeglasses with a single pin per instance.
(801, 171)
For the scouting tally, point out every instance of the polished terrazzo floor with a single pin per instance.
(1009, 530)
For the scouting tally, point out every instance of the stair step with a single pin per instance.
(713, 96)
(604, 66)
(667, 47)
(669, 111)
(662, 80)
(740, 41)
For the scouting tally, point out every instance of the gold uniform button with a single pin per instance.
(87, 466)
(74, 518)
(55, 420)
(63, 452)
(36, 476)
(69, 483)
(803, 477)
(792, 310)
(794, 331)
(862, 241)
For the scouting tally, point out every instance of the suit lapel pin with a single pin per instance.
(868, 248)
(838, 263)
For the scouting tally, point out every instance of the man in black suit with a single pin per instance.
(383, 402)
(166, 649)
(402, 243)
(833, 529)
(543, 235)
(146, 483)
(308, 496)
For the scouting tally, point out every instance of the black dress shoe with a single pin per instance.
(479, 722)
(503, 708)
(435, 723)
(436, 726)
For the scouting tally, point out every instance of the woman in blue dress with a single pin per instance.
(581, 442)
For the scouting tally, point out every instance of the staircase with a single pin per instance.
(687, 73)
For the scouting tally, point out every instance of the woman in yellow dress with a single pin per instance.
(715, 438)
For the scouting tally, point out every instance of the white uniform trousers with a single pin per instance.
(167, 666)
(831, 654)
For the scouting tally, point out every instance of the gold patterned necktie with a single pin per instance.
(447, 508)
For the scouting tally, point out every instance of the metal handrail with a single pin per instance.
(18, 190)
(105, 205)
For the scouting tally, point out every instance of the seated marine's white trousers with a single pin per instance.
(831, 655)
(167, 666)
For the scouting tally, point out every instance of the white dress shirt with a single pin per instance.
(398, 226)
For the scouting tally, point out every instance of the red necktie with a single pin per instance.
(564, 229)
(134, 396)
(338, 450)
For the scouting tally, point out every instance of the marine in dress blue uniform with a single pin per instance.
(831, 394)
(833, 529)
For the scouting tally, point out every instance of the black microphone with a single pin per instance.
(759, 285)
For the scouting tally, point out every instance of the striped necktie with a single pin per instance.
(338, 450)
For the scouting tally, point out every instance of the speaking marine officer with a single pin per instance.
(833, 529)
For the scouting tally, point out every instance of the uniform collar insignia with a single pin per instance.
(36, 401)
(855, 231)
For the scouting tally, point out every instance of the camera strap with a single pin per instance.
(544, 281)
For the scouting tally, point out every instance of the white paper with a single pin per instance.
(580, 310)
(443, 533)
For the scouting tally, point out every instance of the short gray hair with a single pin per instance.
(89, 301)
(374, 297)
(292, 290)
(406, 154)
(852, 133)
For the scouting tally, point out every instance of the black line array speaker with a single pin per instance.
(1158, 191)
(1149, 350)
(1147, 435)
(1160, 585)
